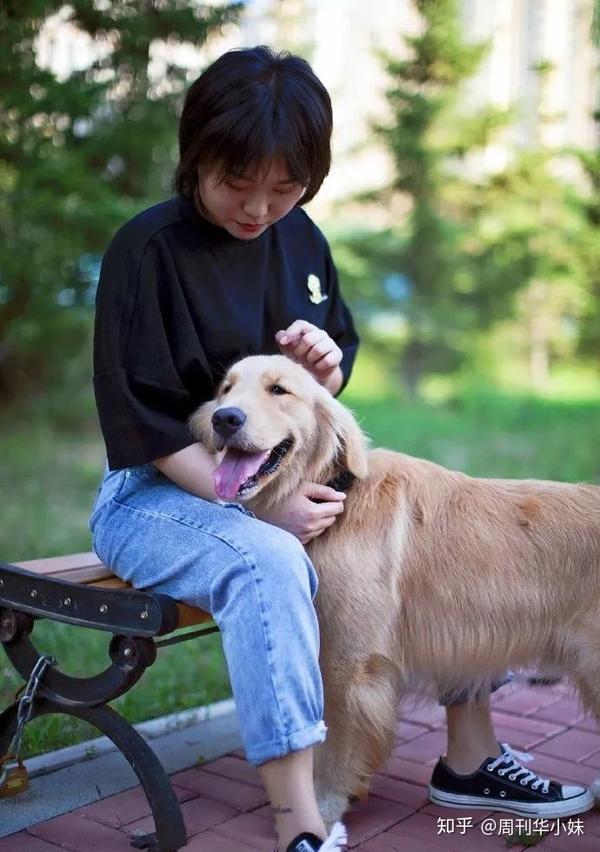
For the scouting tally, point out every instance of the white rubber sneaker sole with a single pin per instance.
(551, 810)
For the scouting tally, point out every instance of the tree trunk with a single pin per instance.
(539, 338)
(412, 367)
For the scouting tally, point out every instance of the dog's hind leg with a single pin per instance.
(589, 693)
(586, 677)
(581, 661)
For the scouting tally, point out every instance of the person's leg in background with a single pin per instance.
(471, 736)
(478, 772)
(470, 731)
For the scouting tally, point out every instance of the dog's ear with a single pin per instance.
(351, 440)
(200, 424)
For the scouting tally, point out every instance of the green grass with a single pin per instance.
(52, 461)
(491, 435)
(184, 676)
(52, 457)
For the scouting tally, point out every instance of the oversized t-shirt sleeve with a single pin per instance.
(339, 325)
(142, 404)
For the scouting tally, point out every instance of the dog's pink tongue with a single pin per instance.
(234, 470)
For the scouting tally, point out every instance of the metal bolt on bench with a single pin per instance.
(79, 590)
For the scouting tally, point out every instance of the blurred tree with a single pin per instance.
(292, 23)
(430, 132)
(79, 154)
(530, 228)
(473, 249)
(589, 343)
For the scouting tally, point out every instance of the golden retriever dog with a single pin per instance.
(429, 581)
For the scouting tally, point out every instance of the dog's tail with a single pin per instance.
(373, 715)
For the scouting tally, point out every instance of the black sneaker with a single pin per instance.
(502, 784)
(307, 842)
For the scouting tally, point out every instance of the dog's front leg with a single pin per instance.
(331, 795)
(361, 702)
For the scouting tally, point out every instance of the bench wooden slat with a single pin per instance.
(84, 576)
(87, 569)
(60, 564)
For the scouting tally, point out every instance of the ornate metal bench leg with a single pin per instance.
(170, 828)
(8, 726)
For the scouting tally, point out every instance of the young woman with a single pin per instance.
(231, 266)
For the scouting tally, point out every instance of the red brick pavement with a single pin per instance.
(225, 807)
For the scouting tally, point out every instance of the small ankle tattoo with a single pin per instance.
(280, 809)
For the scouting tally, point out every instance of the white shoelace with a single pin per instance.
(513, 760)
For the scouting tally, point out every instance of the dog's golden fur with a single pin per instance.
(430, 580)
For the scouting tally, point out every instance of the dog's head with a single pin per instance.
(272, 426)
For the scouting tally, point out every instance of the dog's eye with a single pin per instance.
(277, 390)
(225, 390)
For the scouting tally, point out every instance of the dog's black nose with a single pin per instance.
(226, 421)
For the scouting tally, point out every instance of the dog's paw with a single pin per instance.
(595, 790)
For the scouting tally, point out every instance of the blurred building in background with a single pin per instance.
(554, 109)
(341, 38)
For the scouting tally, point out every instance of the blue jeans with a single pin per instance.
(255, 579)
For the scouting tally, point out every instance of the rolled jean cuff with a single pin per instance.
(279, 747)
(461, 697)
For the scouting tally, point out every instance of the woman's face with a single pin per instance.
(246, 206)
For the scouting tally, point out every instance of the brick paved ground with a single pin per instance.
(225, 807)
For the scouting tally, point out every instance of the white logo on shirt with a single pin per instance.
(314, 288)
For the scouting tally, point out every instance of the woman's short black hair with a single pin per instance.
(250, 106)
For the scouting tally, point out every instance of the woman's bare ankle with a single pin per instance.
(289, 784)
(466, 759)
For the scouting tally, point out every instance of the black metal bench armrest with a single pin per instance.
(123, 611)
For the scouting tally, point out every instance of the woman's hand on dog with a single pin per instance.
(308, 512)
(313, 348)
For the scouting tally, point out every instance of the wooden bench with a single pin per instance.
(78, 589)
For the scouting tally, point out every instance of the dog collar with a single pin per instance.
(342, 481)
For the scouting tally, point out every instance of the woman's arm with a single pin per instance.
(191, 469)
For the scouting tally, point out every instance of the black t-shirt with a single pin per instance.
(180, 299)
